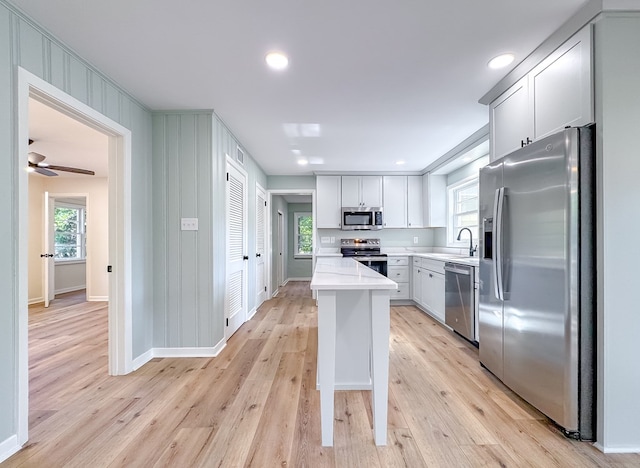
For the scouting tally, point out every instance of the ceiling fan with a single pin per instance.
(37, 164)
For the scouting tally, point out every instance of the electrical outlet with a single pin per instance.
(333, 240)
(415, 240)
(189, 224)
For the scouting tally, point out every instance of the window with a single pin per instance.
(303, 228)
(463, 211)
(70, 232)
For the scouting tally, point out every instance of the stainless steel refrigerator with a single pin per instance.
(537, 287)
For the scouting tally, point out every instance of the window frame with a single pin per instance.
(296, 235)
(452, 231)
(81, 233)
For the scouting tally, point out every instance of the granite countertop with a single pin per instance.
(347, 273)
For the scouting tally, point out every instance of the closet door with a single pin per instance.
(237, 258)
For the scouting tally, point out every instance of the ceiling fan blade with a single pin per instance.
(35, 158)
(75, 170)
(43, 171)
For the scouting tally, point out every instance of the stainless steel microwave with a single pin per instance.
(361, 218)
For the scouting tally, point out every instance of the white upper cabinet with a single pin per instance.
(555, 94)
(365, 191)
(510, 119)
(561, 87)
(415, 202)
(328, 202)
(435, 200)
(395, 201)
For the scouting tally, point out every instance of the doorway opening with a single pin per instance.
(283, 262)
(119, 230)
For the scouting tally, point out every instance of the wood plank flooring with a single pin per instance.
(256, 404)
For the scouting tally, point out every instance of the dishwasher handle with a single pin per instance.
(453, 268)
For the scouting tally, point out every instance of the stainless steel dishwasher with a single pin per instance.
(459, 299)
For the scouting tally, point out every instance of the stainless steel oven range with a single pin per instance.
(367, 252)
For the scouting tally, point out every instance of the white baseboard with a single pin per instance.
(284, 283)
(36, 300)
(604, 449)
(70, 289)
(298, 279)
(98, 298)
(8, 447)
(142, 359)
(252, 312)
(178, 353)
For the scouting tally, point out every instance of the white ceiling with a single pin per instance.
(379, 80)
(66, 142)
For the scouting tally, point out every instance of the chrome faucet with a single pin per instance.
(471, 248)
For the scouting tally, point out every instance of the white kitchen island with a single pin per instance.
(353, 338)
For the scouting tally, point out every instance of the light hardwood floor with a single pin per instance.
(256, 403)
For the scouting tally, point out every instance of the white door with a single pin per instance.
(48, 249)
(237, 258)
(280, 259)
(261, 244)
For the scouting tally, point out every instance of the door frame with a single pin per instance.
(120, 300)
(270, 234)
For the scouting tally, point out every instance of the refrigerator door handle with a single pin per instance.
(498, 204)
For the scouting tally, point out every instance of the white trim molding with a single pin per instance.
(120, 296)
(8, 447)
(195, 352)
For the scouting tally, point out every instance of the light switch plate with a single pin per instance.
(415, 240)
(189, 224)
(325, 240)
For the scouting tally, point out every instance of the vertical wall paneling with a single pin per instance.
(78, 80)
(96, 88)
(185, 279)
(203, 175)
(171, 217)
(111, 106)
(58, 67)
(7, 227)
(23, 43)
(31, 49)
(188, 208)
(160, 234)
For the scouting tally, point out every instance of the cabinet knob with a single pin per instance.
(524, 143)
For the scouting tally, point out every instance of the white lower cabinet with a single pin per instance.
(398, 271)
(428, 286)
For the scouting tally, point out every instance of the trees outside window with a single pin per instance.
(70, 232)
(304, 234)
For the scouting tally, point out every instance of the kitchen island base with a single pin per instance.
(353, 339)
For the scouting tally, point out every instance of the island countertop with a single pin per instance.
(335, 273)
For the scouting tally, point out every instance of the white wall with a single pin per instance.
(70, 277)
(96, 189)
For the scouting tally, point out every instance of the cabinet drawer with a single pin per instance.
(401, 293)
(398, 274)
(436, 266)
(395, 261)
(417, 261)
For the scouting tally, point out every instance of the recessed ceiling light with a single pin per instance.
(400, 163)
(303, 162)
(501, 61)
(277, 60)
